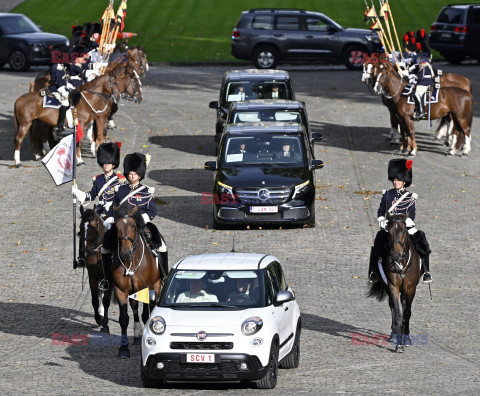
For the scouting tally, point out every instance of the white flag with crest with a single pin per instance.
(59, 161)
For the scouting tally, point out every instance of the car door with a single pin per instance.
(473, 26)
(319, 41)
(280, 313)
(288, 306)
(4, 49)
(288, 36)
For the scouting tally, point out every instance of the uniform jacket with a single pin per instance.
(77, 74)
(424, 75)
(58, 75)
(143, 199)
(107, 195)
(390, 197)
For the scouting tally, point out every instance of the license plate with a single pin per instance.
(263, 209)
(200, 358)
(446, 35)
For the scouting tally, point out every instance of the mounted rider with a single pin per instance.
(400, 174)
(139, 195)
(108, 157)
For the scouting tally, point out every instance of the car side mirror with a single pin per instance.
(152, 294)
(213, 104)
(283, 296)
(210, 165)
(39, 26)
(331, 29)
(316, 164)
(316, 137)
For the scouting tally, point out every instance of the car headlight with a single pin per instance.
(224, 188)
(252, 325)
(67, 42)
(36, 46)
(157, 325)
(301, 188)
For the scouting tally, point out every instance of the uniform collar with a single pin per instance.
(134, 187)
(399, 190)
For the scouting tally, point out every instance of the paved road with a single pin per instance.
(327, 265)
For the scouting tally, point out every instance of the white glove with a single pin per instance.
(409, 222)
(146, 218)
(382, 222)
(81, 196)
(107, 206)
(108, 223)
(412, 79)
(403, 73)
(70, 86)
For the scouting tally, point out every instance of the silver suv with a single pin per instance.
(268, 36)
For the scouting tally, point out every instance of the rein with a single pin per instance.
(386, 74)
(129, 271)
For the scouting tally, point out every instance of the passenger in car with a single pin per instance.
(196, 294)
(242, 294)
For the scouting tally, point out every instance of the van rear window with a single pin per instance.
(452, 15)
(263, 22)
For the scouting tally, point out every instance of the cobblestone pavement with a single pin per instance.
(327, 265)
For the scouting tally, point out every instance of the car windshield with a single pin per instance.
(214, 289)
(16, 24)
(267, 115)
(264, 149)
(248, 90)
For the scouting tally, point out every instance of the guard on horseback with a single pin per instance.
(422, 74)
(60, 88)
(108, 157)
(398, 201)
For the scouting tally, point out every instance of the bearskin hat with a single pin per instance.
(109, 153)
(400, 169)
(95, 28)
(135, 162)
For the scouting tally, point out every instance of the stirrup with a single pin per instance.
(372, 278)
(103, 285)
(79, 262)
(427, 277)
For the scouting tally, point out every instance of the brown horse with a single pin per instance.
(371, 70)
(400, 272)
(95, 97)
(134, 268)
(91, 235)
(453, 102)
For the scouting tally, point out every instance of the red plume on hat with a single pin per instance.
(119, 144)
(413, 40)
(419, 46)
(409, 164)
(405, 37)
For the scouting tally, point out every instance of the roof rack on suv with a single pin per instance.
(276, 9)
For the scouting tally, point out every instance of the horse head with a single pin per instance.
(398, 236)
(127, 222)
(94, 231)
(140, 58)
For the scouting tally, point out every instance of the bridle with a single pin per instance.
(129, 271)
(401, 265)
(97, 242)
(385, 92)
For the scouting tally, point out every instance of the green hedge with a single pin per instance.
(200, 30)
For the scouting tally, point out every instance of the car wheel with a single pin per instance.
(217, 225)
(266, 57)
(18, 60)
(292, 360)
(269, 381)
(353, 57)
(453, 59)
(149, 382)
(311, 222)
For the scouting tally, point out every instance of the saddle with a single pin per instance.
(432, 98)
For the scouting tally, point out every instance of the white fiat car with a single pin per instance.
(222, 317)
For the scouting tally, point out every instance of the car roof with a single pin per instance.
(4, 14)
(267, 104)
(225, 261)
(261, 127)
(271, 74)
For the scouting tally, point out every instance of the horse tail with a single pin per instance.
(443, 124)
(377, 290)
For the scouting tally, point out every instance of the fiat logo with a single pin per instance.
(263, 194)
(201, 335)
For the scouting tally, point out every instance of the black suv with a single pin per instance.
(271, 110)
(22, 43)
(456, 32)
(268, 36)
(239, 85)
(257, 182)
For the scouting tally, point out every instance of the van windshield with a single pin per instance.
(248, 90)
(267, 115)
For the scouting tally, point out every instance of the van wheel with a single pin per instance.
(352, 57)
(18, 60)
(266, 57)
(269, 381)
(453, 59)
(292, 360)
(217, 225)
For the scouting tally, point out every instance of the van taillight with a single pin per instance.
(433, 28)
(235, 34)
(461, 29)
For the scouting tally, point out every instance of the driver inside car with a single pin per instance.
(196, 294)
(242, 293)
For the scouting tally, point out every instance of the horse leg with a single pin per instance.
(100, 138)
(19, 136)
(395, 128)
(407, 313)
(93, 281)
(137, 327)
(122, 298)
(90, 134)
(397, 319)
(412, 146)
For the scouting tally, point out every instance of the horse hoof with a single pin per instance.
(394, 339)
(99, 319)
(407, 341)
(124, 353)
(399, 349)
(105, 330)
(412, 154)
(81, 164)
(137, 340)
(19, 165)
(464, 155)
(449, 155)
(38, 157)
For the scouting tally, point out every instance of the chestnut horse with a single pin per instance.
(453, 102)
(95, 98)
(371, 70)
(400, 274)
(134, 268)
(91, 235)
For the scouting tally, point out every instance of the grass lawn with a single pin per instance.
(200, 30)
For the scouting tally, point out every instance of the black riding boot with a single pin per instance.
(419, 108)
(372, 268)
(62, 113)
(426, 265)
(103, 285)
